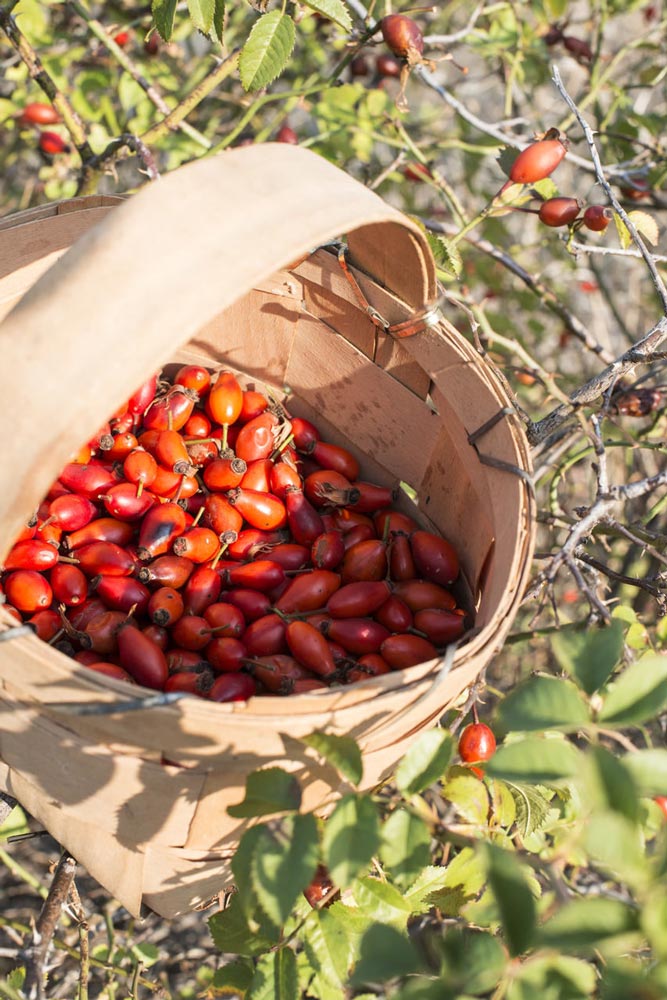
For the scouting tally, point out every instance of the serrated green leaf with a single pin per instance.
(640, 693)
(468, 793)
(649, 770)
(384, 954)
(584, 923)
(328, 946)
(351, 838)
(231, 933)
(269, 791)
(430, 880)
(425, 762)
(219, 19)
(341, 751)
(608, 783)
(404, 849)
(532, 807)
(515, 901)
(448, 888)
(383, 900)
(645, 225)
(164, 12)
(335, 10)
(535, 762)
(353, 920)
(234, 977)
(541, 703)
(275, 977)
(283, 864)
(590, 657)
(446, 253)
(201, 14)
(267, 50)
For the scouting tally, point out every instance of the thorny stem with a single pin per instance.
(36, 952)
(223, 70)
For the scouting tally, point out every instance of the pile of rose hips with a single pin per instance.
(206, 542)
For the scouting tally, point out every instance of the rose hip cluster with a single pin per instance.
(206, 542)
(538, 161)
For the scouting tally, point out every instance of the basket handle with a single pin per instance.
(141, 283)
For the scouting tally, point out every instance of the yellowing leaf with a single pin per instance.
(646, 225)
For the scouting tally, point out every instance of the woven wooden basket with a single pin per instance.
(199, 267)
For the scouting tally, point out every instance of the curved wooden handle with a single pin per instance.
(145, 280)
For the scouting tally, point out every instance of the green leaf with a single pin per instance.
(335, 10)
(234, 977)
(284, 863)
(383, 900)
(242, 870)
(404, 849)
(543, 703)
(639, 694)
(425, 762)
(351, 838)
(473, 961)
(513, 896)
(654, 922)
(590, 657)
(609, 784)
(535, 761)
(649, 770)
(201, 14)
(267, 50)
(146, 952)
(231, 933)
(532, 807)
(269, 791)
(470, 795)
(164, 12)
(556, 977)
(384, 954)
(584, 923)
(615, 843)
(275, 977)
(341, 751)
(448, 888)
(446, 253)
(218, 20)
(328, 946)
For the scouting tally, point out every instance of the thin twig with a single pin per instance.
(36, 953)
(546, 296)
(604, 183)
